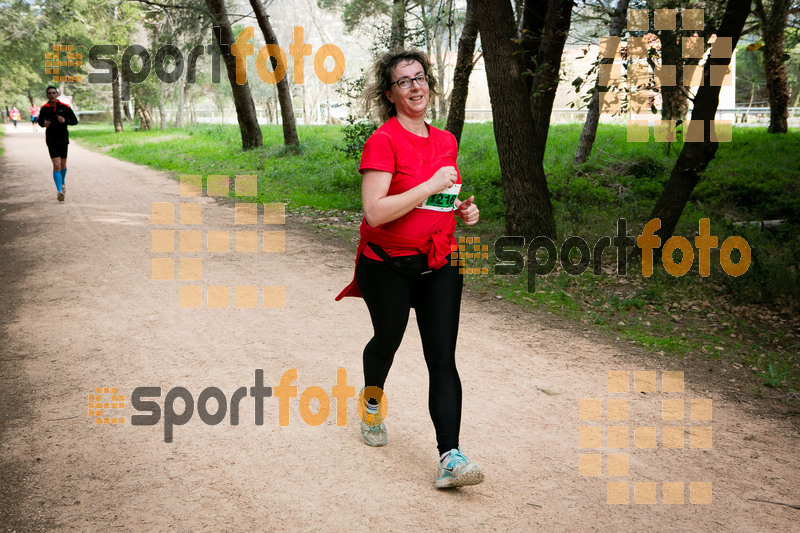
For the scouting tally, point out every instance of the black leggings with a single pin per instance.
(390, 295)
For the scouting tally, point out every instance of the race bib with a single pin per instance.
(443, 201)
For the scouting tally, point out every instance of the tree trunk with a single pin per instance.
(142, 110)
(773, 26)
(441, 68)
(527, 200)
(545, 80)
(398, 37)
(284, 94)
(674, 101)
(464, 64)
(589, 133)
(162, 115)
(181, 104)
(305, 105)
(328, 118)
(429, 51)
(242, 99)
(125, 95)
(518, 5)
(695, 156)
(116, 102)
(531, 26)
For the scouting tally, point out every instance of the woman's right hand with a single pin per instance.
(443, 179)
(380, 208)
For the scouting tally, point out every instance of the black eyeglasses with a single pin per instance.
(405, 83)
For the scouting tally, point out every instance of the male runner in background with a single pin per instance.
(55, 116)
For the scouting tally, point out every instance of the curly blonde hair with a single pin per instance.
(374, 97)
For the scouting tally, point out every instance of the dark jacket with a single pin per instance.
(57, 132)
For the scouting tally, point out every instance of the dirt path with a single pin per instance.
(80, 310)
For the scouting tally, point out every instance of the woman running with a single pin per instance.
(34, 111)
(14, 114)
(410, 187)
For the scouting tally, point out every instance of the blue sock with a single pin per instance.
(57, 179)
(63, 176)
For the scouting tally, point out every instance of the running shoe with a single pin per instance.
(60, 196)
(372, 427)
(375, 435)
(456, 470)
(64, 189)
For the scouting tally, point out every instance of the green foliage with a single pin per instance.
(355, 11)
(740, 178)
(356, 134)
(358, 128)
(774, 375)
(31, 28)
(23, 43)
(750, 77)
(750, 81)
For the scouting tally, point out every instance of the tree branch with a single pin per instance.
(168, 6)
(760, 12)
(237, 16)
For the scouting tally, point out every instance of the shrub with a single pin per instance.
(356, 133)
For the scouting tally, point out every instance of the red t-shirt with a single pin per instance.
(411, 160)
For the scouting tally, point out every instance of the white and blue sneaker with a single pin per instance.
(376, 435)
(456, 470)
(372, 427)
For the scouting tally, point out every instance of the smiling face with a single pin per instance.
(411, 102)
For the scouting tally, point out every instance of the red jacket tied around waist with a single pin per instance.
(437, 246)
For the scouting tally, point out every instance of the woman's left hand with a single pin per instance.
(468, 211)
